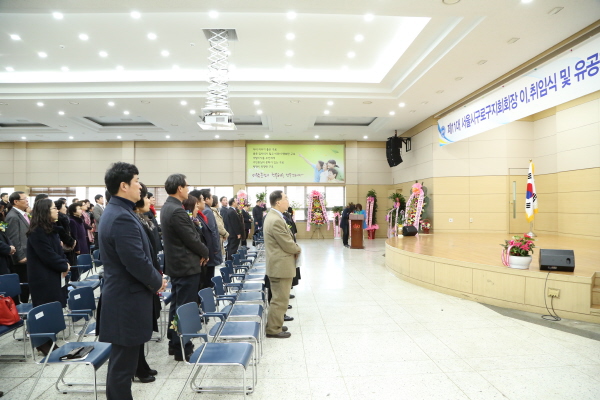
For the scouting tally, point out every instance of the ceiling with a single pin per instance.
(421, 54)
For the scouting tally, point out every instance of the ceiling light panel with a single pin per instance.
(15, 37)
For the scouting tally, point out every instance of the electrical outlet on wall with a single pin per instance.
(450, 219)
(470, 219)
(553, 292)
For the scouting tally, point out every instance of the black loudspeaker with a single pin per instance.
(392, 151)
(557, 260)
(409, 230)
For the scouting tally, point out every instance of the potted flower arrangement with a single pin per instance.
(425, 225)
(516, 252)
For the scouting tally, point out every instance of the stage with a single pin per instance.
(468, 265)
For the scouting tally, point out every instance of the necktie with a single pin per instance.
(26, 218)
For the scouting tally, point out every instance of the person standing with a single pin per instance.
(220, 224)
(18, 224)
(130, 280)
(46, 261)
(344, 223)
(247, 224)
(6, 249)
(151, 214)
(215, 254)
(281, 254)
(235, 227)
(257, 215)
(184, 255)
(79, 233)
(87, 219)
(98, 210)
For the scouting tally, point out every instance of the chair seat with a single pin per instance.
(80, 284)
(96, 357)
(253, 286)
(9, 328)
(244, 310)
(166, 296)
(250, 296)
(224, 353)
(235, 328)
(24, 308)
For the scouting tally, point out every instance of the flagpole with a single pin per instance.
(531, 233)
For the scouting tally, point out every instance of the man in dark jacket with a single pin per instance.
(257, 215)
(344, 223)
(235, 228)
(211, 234)
(130, 280)
(18, 224)
(184, 254)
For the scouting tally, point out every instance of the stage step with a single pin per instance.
(597, 279)
(596, 295)
(595, 309)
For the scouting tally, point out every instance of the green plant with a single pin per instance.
(519, 245)
(397, 196)
(337, 209)
(261, 197)
(373, 193)
(295, 205)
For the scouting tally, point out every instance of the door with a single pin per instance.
(516, 206)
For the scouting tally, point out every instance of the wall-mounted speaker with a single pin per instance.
(392, 151)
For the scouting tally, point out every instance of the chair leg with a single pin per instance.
(41, 371)
(61, 378)
(95, 384)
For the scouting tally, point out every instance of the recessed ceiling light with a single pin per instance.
(290, 36)
(135, 14)
(289, 53)
(119, 68)
(555, 10)
(392, 112)
(15, 37)
(369, 17)
(41, 54)
(458, 78)
(118, 137)
(330, 103)
(126, 112)
(259, 112)
(70, 137)
(145, 102)
(365, 137)
(40, 104)
(294, 101)
(213, 14)
(481, 62)
(326, 112)
(57, 15)
(83, 36)
(424, 102)
(526, 1)
(256, 102)
(183, 103)
(216, 136)
(111, 103)
(168, 137)
(367, 102)
(103, 54)
(512, 40)
(450, 2)
(359, 38)
(3, 104)
(351, 54)
(316, 136)
(291, 15)
(266, 136)
(61, 113)
(152, 36)
(192, 111)
(175, 67)
(64, 69)
(10, 69)
(401, 105)
(440, 92)
(164, 53)
(73, 102)
(23, 137)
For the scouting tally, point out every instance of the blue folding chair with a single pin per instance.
(82, 301)
(240, 297)
(189, 325)
(6, 329)
(85, 264)
(43, 324)
(11, 287)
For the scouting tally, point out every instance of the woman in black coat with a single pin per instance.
(79, 233)
(6, 249)
(46, 261)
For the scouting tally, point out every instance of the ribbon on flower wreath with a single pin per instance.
(336, 224)
(370, 226)
(414, 206)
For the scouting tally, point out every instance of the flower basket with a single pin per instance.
(515, 253)
(425, 225)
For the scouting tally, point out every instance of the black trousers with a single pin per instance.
(121, 369)
(143, 369)
(21, 270)
(207, 274)
(233, 243)
(183, 290)
(345, 234)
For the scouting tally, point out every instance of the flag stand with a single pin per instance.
(530, 233)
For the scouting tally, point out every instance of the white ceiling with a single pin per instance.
(412, 53)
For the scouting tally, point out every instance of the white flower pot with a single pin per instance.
(519, 262)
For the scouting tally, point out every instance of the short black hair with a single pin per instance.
(150, 195)
(14, 196)
(275, 196)
(107, 195)
(59, 204)
(196, 193)
(117, 173)
(73, 208)
(97, 197)
(3, 194)
(231, 201)
(205, 193)
(63, 199)
(40, 196)
(173, 183)
(223, 197)
(143, 193)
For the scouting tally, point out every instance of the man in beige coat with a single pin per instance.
(281, 254)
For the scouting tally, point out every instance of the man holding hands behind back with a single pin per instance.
(281, 254)
(130, 280)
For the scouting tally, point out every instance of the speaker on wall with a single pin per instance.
(409, 230)
(392, 151)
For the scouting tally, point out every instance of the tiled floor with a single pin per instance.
(361, 333)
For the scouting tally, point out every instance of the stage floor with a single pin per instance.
(484, 248)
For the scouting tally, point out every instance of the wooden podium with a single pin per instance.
(356, 231)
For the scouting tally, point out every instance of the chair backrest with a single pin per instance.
(188, 320)
(47, 318)
(96, 257)
(9, 285)
(84, 262)
(218, 282)
(207, 300)
(81, 299)
(226, 273)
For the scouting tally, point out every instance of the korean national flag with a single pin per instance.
(531, 206)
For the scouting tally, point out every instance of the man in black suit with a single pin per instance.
(235, 228)
(185, 254)
(130, 280)
(18, 224)
(224, 210)
(344, 223)
(257, 215)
